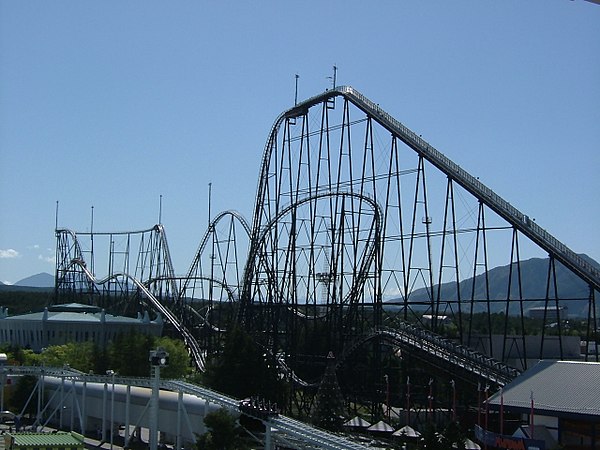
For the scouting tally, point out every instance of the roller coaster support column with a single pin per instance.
(112, 373)
(158, 358)
(127, 416)
(268, 445)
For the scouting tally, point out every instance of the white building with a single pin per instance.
(72, 322)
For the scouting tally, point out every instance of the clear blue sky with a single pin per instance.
(114, 103)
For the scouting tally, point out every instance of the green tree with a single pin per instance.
(15, 355)
(431, 439)
(23, 389)
(243, 369)
(454, 435)
(128, 354)
(223, 433)
(78, 355)
(179, 359)
(328, 412)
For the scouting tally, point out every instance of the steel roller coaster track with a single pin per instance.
(355, 216)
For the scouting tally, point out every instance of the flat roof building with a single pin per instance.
(561, 399)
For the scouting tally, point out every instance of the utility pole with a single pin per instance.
(158, 358)
(209, 201)
(3, 360)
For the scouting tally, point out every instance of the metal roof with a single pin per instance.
(75, 307)
(75, 312)
(568, 389)
(58, 439)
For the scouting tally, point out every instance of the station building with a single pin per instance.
(72, 322)
(549, 313)
(559, 405)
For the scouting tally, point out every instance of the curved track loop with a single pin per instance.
(189, 340)
(364, 258)
(390, 245)
(209, 308)
(151, 262)
(195, 268)
(441, 232)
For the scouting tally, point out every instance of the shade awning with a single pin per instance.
(381, 426)
(357, 422)
(407, 431)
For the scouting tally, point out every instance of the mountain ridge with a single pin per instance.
(534, 272)
(39, 280)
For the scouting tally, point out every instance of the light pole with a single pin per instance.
(112, 373)
(430, 398)
(408, 400)
(158, 358)
(453, 384)
(387, 395)
(3, 359)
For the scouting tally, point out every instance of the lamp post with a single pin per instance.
(3, 359)
(408, 400)
(453, 384)
(112, 373)
(387, 395)
(158, 358)
(430, 398)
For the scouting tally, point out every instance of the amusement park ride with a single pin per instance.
(366, 243)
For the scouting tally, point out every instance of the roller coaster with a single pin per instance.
(365, 242)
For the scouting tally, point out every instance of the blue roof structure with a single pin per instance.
(72, 322)
(76, 312)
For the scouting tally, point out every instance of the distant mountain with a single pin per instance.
(534, 273)
(42, 280)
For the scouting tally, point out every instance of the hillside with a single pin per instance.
(41, 280)
(534, 273)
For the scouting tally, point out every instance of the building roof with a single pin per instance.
(58, 439)
(75, 312)
(75, 307)
(568, 389)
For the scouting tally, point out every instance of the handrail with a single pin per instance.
(188, 338)
(469, 360)
(281, 424)
(507, 211)
(519, 220)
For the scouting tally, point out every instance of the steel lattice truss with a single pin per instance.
(354, 210)
(360, 227)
